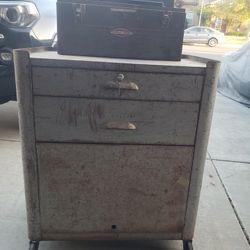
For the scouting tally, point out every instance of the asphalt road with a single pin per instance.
(215, 53)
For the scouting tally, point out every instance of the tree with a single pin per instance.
(232, 13)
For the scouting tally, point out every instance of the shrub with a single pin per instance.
(236, 33)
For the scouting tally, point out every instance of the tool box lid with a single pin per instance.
(158, 3)
(120, 14)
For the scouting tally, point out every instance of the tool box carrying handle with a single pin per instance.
(152, 3)
(140, 2)
(79, 9)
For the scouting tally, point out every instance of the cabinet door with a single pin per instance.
(113, 189)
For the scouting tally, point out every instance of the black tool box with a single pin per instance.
(135, 29)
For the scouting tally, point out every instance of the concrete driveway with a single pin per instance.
(224, 212)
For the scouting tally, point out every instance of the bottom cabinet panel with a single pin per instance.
(113, 188)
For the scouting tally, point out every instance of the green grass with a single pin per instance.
(235, 39)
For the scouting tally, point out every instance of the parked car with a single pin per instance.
(204, 35)
(23, 24)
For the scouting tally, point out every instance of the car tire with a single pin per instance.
(212, 42)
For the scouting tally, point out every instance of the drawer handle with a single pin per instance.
(120, 83)
(120, 125)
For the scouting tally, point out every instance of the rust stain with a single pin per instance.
(100, 111)
(140, 192)
(69, 113)
(91, 114)
(75, 113)
(94, 112)
(183, 181)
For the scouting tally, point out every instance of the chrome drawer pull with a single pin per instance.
(120, 77)
(120, 125)
(119, 83)
(122, 85)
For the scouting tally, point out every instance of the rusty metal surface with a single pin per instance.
(112, 184)
(52, 81)
(84, 120)
(113, 188)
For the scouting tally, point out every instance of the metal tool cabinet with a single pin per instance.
(113, 148)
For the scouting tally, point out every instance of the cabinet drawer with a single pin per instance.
(116, 85)
(115, 121)
(113, 188)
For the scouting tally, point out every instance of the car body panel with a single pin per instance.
(45, 28)
(202, 35)
(7, 84)
(41, 33)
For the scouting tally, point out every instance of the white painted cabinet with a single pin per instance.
(113, 148)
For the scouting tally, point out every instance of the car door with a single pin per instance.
(203, 35)
(190, 35)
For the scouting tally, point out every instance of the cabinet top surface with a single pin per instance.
(54, 56)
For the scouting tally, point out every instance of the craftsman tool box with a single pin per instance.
(135, 29)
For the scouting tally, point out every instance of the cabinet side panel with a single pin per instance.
(202, 136)
(26, 123)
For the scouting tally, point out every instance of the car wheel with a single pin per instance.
(212, 42)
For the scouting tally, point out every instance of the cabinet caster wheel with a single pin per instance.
(187, 245)
(34, 245)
